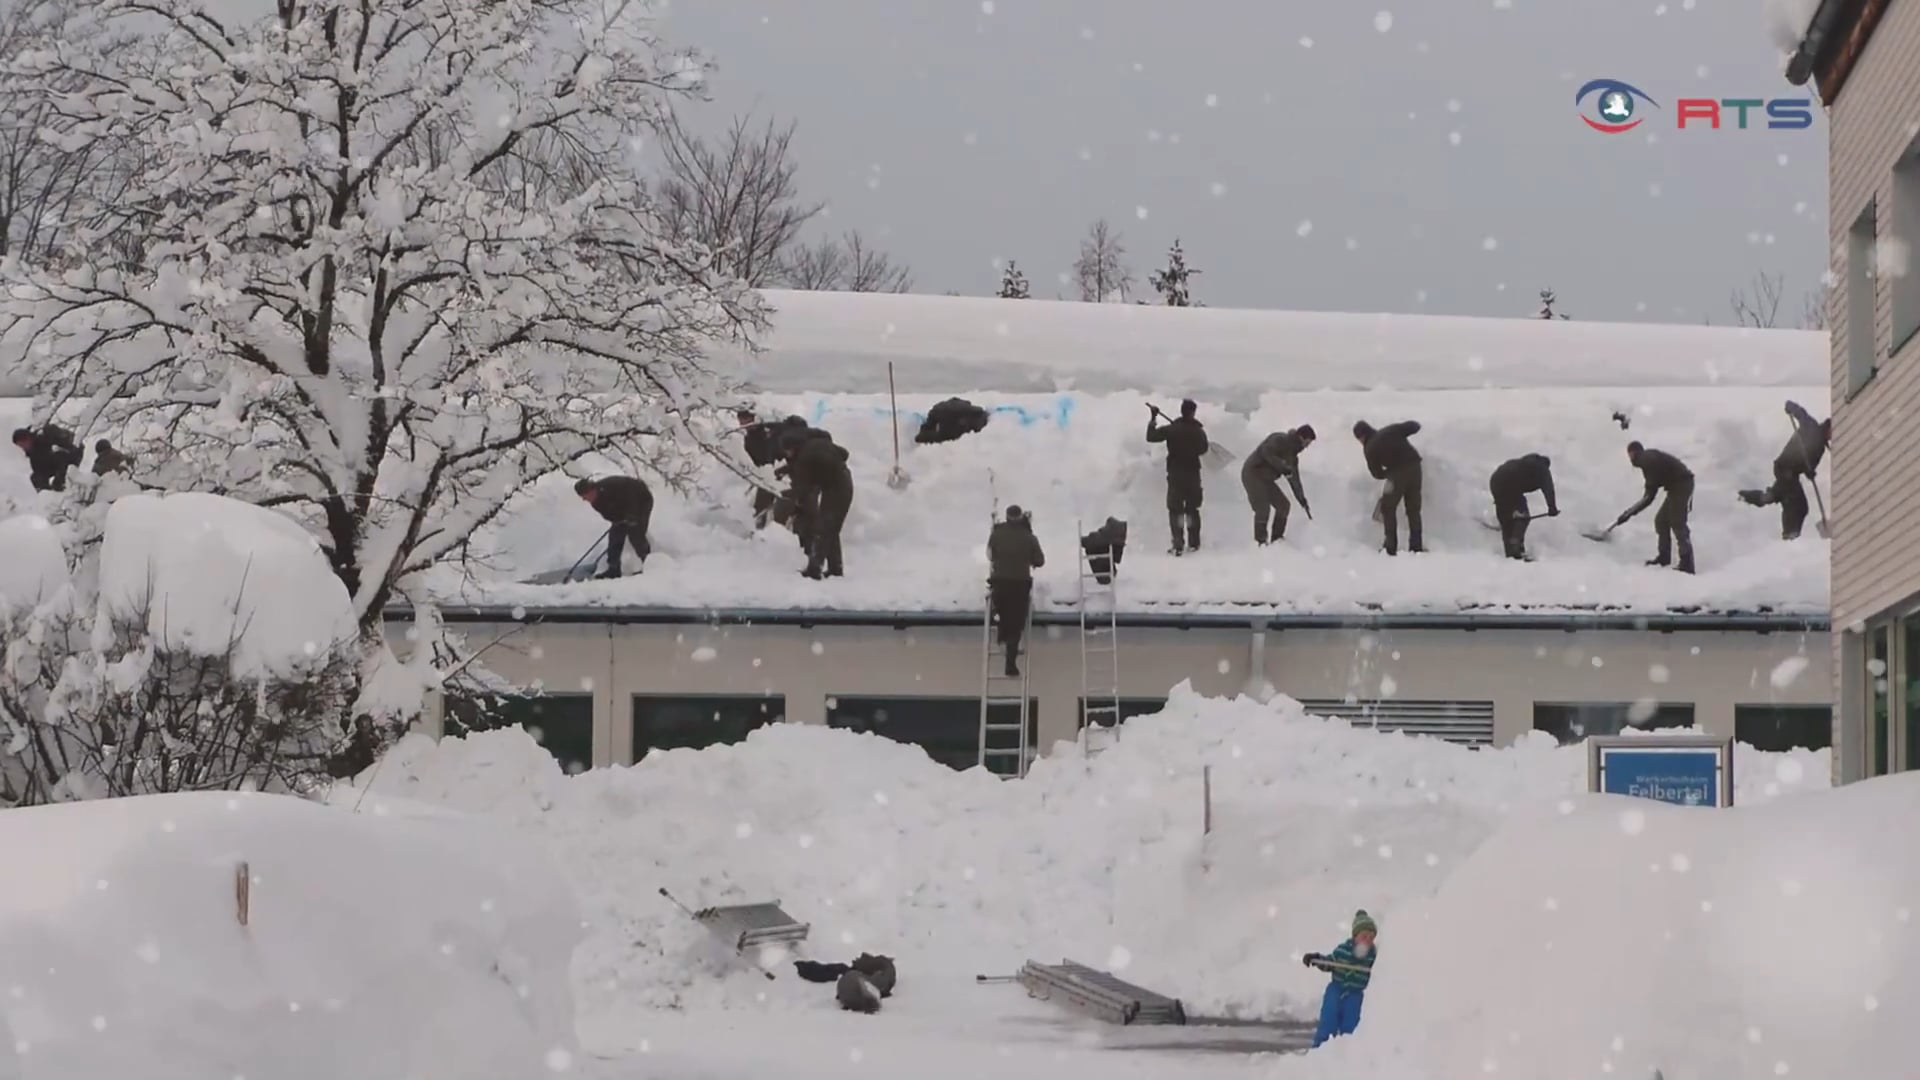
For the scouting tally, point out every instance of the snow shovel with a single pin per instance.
(897, 479)
(1600, 536)
(590, 553)
(1486, 524)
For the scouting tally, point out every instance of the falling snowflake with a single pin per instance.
(99, 1023)
(742, 831)
(1224, 666)
(1551, 904)
(1453, 137)
(986, 7)
(1633, 822)
(1653, 189)
(1701, 71)
(805, 840)
(1790, 771)
(1871, 1003)
(1217, 188)
(1306, 43)
(1753, 1034)
(1385, 851)
(1383, 22)
(1598, 662)
(1086, 33)
(1659, 673)
(1787, 672)
(1388, 686)
(856, 1055)
(1453, 105)
(1489, 244)
(1432, 859)
(1140, 212)
(1303, 229)
(1213, 101)
(1119, 959)
(1680, 863)
(817, 648)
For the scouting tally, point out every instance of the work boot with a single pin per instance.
(1753, 497)
(1013, 666)
(1659, 562)
(1685, 567)
(812, 572)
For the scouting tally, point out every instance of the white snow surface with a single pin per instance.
(957, 874)
(1075, 458)
(33, 566)
(841, 343)
(1788, 21)
(375, 946)
(205, 571)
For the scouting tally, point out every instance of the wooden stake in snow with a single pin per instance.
(242, 892)
(1206, 796)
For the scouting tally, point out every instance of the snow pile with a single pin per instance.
(16, 484)
(881, 849)
(374, 946)
(1788, 21)
(841, 343)
(1074, 459)
(1623, 936)
(33, 566)
(205, 572)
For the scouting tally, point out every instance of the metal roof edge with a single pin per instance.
(1669, 621)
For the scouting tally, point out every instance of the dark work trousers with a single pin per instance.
(763, 501)
(1270, 506)
(624, 534)
(825, 520)
(1786, 491)
(1512, 516)
(1670, 526)
(1403, 489)
(1183, 510)
(1010, 599)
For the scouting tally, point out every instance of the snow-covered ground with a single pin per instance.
(1104, 861)
(376, 944)
(1073, 459)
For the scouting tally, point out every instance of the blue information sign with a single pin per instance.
(1683, 770)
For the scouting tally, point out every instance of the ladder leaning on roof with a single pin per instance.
(1099, 653)
(1006, 709)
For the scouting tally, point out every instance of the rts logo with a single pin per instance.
(1616, 107)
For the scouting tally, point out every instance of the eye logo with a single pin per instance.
(1616, 106)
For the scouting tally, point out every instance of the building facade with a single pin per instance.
(1864, 57)
(605, 686)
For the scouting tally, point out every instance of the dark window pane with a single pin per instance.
(562, 723)
(1130, 707)
(1573, 722)
(947, 728)
(1909, 676)
(1879, 696)
(1779, 728)
(663, 722)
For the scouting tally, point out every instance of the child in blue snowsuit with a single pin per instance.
(1351, 966)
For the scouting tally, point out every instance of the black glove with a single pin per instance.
(1311, 959)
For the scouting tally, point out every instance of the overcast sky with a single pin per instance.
(961, 132)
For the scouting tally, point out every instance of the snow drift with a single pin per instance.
(960, 873)
(204, 572)
(1073, 459)
(33, 566)
(375, 946)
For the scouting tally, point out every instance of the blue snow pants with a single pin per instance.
(1339, 1013)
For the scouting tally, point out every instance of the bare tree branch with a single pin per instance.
(1758, 304)
(737, 197)
(1101, 271)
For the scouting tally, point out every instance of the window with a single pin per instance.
(1861, 359)
(1778, 728)
(1909, 676)
(1469, 723)
(1130, 707)
(1572, 722)
(947, 728)
(562, 723)
(1905, 286)
(663, 722)
(1879, 697)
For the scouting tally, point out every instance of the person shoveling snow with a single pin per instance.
(858, 986)
(1351, 965)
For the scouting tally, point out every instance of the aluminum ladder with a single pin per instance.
(1006, 707)
(1099, 656)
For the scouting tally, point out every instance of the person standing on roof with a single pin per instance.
(1664, 472)
(823, 490)
(1278, 455)
(1392, 458)
(50, 452)
(1800, 457)
(108, 460)
(1510, 485)
(1186, 441)
(626, 503)
(1013, 554)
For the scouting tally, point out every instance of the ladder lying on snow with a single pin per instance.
(1006, 709)
(744, 927)
(1099, 654)
(1099, 994)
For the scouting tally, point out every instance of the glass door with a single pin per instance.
(1879, 698)
(1909, 700)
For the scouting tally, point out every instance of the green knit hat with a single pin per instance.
(1363, 922)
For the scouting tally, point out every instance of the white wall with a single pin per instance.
(1714, 671)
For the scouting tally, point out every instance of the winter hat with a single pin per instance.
(582, 486)
(1362, 429)
(21, 434)
(1189, 407)
(1363, 922)
(1305, 431)
(1014, 513)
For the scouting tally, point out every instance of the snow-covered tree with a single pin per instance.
(1013, 283)
(1101, 270)
(847, 263)
(396, 265)
(1547, 300)
(1171, 283)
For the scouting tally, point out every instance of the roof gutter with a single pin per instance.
(1815, 43)
(1661, 622)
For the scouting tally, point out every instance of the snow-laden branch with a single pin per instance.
(395, 264)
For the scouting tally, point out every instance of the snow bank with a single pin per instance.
(1621, 936)
(842, 343)
(16, 484)
(1073, 459)
(33, 566)
(375, 946)
(205, 571)
(960, 873)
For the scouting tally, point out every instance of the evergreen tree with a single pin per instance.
(1013, 283)
(1172, 282)
(1547, 300)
